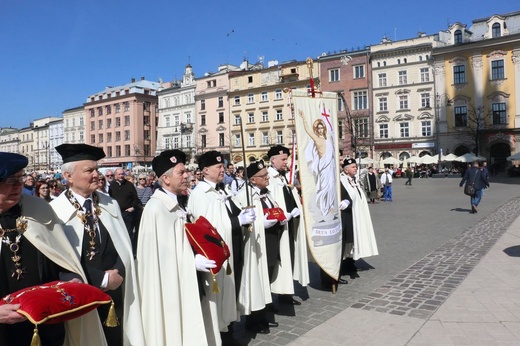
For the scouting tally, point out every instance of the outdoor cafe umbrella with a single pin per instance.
(428, 160)
(390, 161)
(414, 159)
(513, 157)
(449, 157)
(470, 157)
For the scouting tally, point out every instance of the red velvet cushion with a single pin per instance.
(274, 214)
(56, 301)
(206, 241)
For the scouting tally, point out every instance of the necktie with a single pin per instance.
(219, 186)
(264, 191)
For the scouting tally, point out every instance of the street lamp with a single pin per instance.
(438, 101)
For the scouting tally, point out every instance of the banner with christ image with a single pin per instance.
(316, 126)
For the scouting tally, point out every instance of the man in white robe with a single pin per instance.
(166, 264)
(94, 226)
(210, 199)
(293, 241)
(364, 241)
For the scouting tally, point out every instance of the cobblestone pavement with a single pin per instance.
(428, 243)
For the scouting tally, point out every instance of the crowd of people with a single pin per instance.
(126, 235)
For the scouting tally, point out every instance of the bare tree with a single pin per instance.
(471, 129)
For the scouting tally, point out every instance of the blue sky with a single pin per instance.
(55, 53)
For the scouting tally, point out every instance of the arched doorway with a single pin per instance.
(498, 153)
(461, 150)
(424, 152)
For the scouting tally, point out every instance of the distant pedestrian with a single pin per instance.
(476, 177)
(372, 185)
(409, 175)
(386, 181)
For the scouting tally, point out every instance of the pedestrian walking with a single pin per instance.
(475, 177)
(386, 181)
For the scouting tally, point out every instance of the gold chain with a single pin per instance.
(14, 246)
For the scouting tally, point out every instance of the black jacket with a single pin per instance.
(480, 179)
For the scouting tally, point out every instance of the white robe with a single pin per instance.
(113, 221)
(364, 237)
(283, 284)
(170, 303)
(206, 201)
(255, 291)
(46, 233)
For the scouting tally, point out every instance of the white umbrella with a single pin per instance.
(470, 157)
(428, 160)
(414, 159)
(391, 161)
(366, 161)
(449, 157)
(514, 157)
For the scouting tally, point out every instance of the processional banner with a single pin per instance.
(316, 124)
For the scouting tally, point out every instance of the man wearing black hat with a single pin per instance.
(261, 248)
(293, 241)
(95, 228)
(34, 250)
(358, 233)
(210, 199)
(167, 265)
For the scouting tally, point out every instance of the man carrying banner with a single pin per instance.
(358, 233)
(293, 242)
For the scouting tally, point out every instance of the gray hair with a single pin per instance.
(168, 173)
(68, 167)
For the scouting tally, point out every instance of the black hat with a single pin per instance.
(347, 162)
(278, 150)
(166, 160)
(210, 158)
(255, 167)
(10, 163)
(79, 152)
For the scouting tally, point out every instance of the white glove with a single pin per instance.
(203, 264)
(344, 204)
(288, 216)
(247, 216)
(295, 212)
(269, 223)
(284, 222)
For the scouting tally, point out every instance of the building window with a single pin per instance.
(340, 104)
(167, 143)
(426, 128)
(176, 143)
(279, 137)
(251, 139)
(220, 117)
(403, 77)
(383, 104)
(497, 69)
(92, 125)
(127, 150)
(495, 30)
(167, 121)
(100, 110)
(81, 136)
(118, 150)
(237, 100)
(403, 102)
(382, 79)
(108, 109)
(188, 141)
(220, 139)
(220, 102)
(264, 96)
(203, 119)
(109, 137)
(92, 113)
(250, 98)
(459, 74)
(265, 138)
(251, 118)
(250, 79)
(118, 108)
(127, 106)
(334, 75)
(461, 116)
(360, 100)
(118, 121)
(265, 116)
(100, 138)
(203, 143)
(212, 83)
(81, 121)
(109, 151)
(383, 130)
(237, 119)
(499, 113)
(127, 135)
(101, 124)
(361, 127)
(279, 114)
(188, 118)
(202, 105)
(146, 134)
(425, 100)
(457, 37)
(118, 136)
(278, 94)
(127, 120)
(404, 129)
(109, 123)
(92, 139)
(359, 71)
(425, 74)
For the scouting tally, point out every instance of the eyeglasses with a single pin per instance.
(261, 176)
(142, 178)
(109, 175)
(14, 181)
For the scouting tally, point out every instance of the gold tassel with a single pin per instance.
(111, 320)
(229, 271)
(215, 285)
(36, 337)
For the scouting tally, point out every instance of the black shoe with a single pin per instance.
(257, 328)
(272, 324)
(228, 339)
(286, 299)
(342, 281)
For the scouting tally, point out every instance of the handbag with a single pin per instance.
(469, 189)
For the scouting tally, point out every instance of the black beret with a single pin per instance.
(10, 163)
(210, 158)
(347, 162)
(79, 152)
(278, 150)
(166, 160)
(255, 167)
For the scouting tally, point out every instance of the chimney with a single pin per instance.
(142, 78)
(133, 80)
